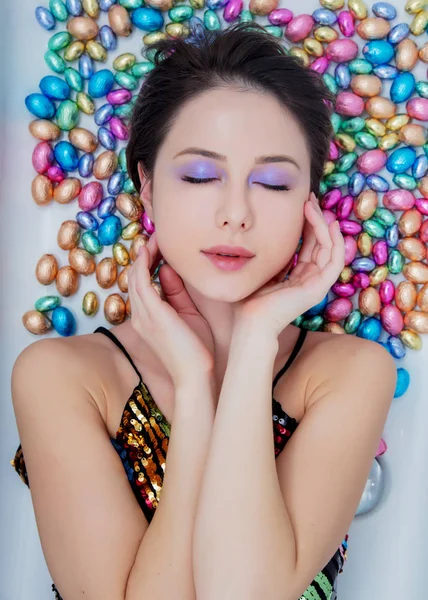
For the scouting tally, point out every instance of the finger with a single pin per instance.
(175, 292)
(141, 283)
(333, 268)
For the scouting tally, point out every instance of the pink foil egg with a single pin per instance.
(346, 23)
(350, 227)
(398, 199)
(299, 28)
(387, 291)
(423, 232)
(351, 248)
(280, 16)
(120, 96)
(331, 198)
(371, 161)
(345, 206)
(55, 173)
(417, 108)
(422, 205)
(382, 448)
(349, 104)
(147, 223)
(380, 252)
(118, 128)
(391, 319)
(333, 153)
(90, 195)
(320, 64)
(341, 50)
(361, 280)
(338, 309)
(232, 10)
(43, 157)
(344, 290)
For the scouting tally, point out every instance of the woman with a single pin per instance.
(228, 141)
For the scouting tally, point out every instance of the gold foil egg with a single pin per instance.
(128, 304)
(406, 55)
(416, 272)
(74, 51)
(332, 4)
(96, 51)
(82, 261)
(423, 186)
(67, 280)
(90, 304)
(105, 164)
(411, 339)
(388, 141)
(346, 275)
(153, 37)
(91, 8)
(369, 301)
(139, 240)
(300, 54)
(416, 320)
(375, 127)
(121, 254)
(373, 28)
(412, 248)
(122, 280)
(67, 190)
(422, 298)
(83, 139)
(313, 47)
(165, 5)
(82, 28)
(85, 103)
(45, 130)
(131, 230)
(106, 272)
(129, 206)
(405, 296)
(365, 205)
(331, 327)
(358, 9)
(410, 222)
(42, 190)
(364, 244)
(68, 235)
(115, 309)
(423, 53)
(378, 275)
(124, 61)
(413, 135)
(325, 34)
(414, 6)
(46, 269)
(366, 85)
(262, 7)
(119, 20)
(397, 122)
(36, 322)
(177, 31)
(419, 22)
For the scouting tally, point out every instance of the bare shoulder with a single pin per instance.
(341, 359)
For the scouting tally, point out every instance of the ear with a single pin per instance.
(146, 195)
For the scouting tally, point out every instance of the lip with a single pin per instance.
(235, 250)
(228, 263)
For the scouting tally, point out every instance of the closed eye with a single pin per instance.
(279, 188)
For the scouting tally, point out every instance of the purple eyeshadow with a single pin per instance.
(198, 169)
(272, 176)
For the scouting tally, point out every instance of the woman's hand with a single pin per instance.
(173, 327)
(321, 260)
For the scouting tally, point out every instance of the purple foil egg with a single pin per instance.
(341, 50)
(232, 10)
(299, 28)
(280, 16)
(349, 104)
(371, 161)
(118, 128)
(398, 199)
(55, 173)
(120, 96)
(90, 196)
(43, 157)
(391, 319)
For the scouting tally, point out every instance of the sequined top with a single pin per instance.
(142, 444)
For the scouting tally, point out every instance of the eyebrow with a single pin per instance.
(260, 160)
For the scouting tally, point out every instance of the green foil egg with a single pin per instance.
(91, 243)
(46, 303)
(67, 115)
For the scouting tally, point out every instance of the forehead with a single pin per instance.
(232, 121)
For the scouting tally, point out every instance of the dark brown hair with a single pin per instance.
(243, 55)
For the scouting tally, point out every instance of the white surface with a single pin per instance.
(386, 555)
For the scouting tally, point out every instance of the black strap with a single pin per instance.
(293, 355)
(111, 335)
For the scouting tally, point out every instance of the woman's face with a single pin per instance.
(241, 143)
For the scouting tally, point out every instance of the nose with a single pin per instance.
(235, 209)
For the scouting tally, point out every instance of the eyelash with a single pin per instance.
(276, 188)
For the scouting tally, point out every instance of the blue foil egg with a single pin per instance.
(402, 87)
(106, 4)
(104, 114)
(107, 37)
(342, 75)
(109, 230)
(63, 321)
(86, 68)
(66, 156)
(385, 71)
(377, 183)
(324, 16)
(147, 19)
(400, 160)
(403, 381)
(398, 33)
(385, 10)
(40, 105)
(396, 347)
(74, 7)
(45, 18)
(392, 235)
(318, 308)
(100, 83)
(54, 87)
(86, 164)
(115, 183)
(106, 138)
(378, 52)
(420, 166)
(370, 329)
(87, 220)
(216, 4)
(364, 264)
(197, 29)
(356, 183)
(106, 207)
